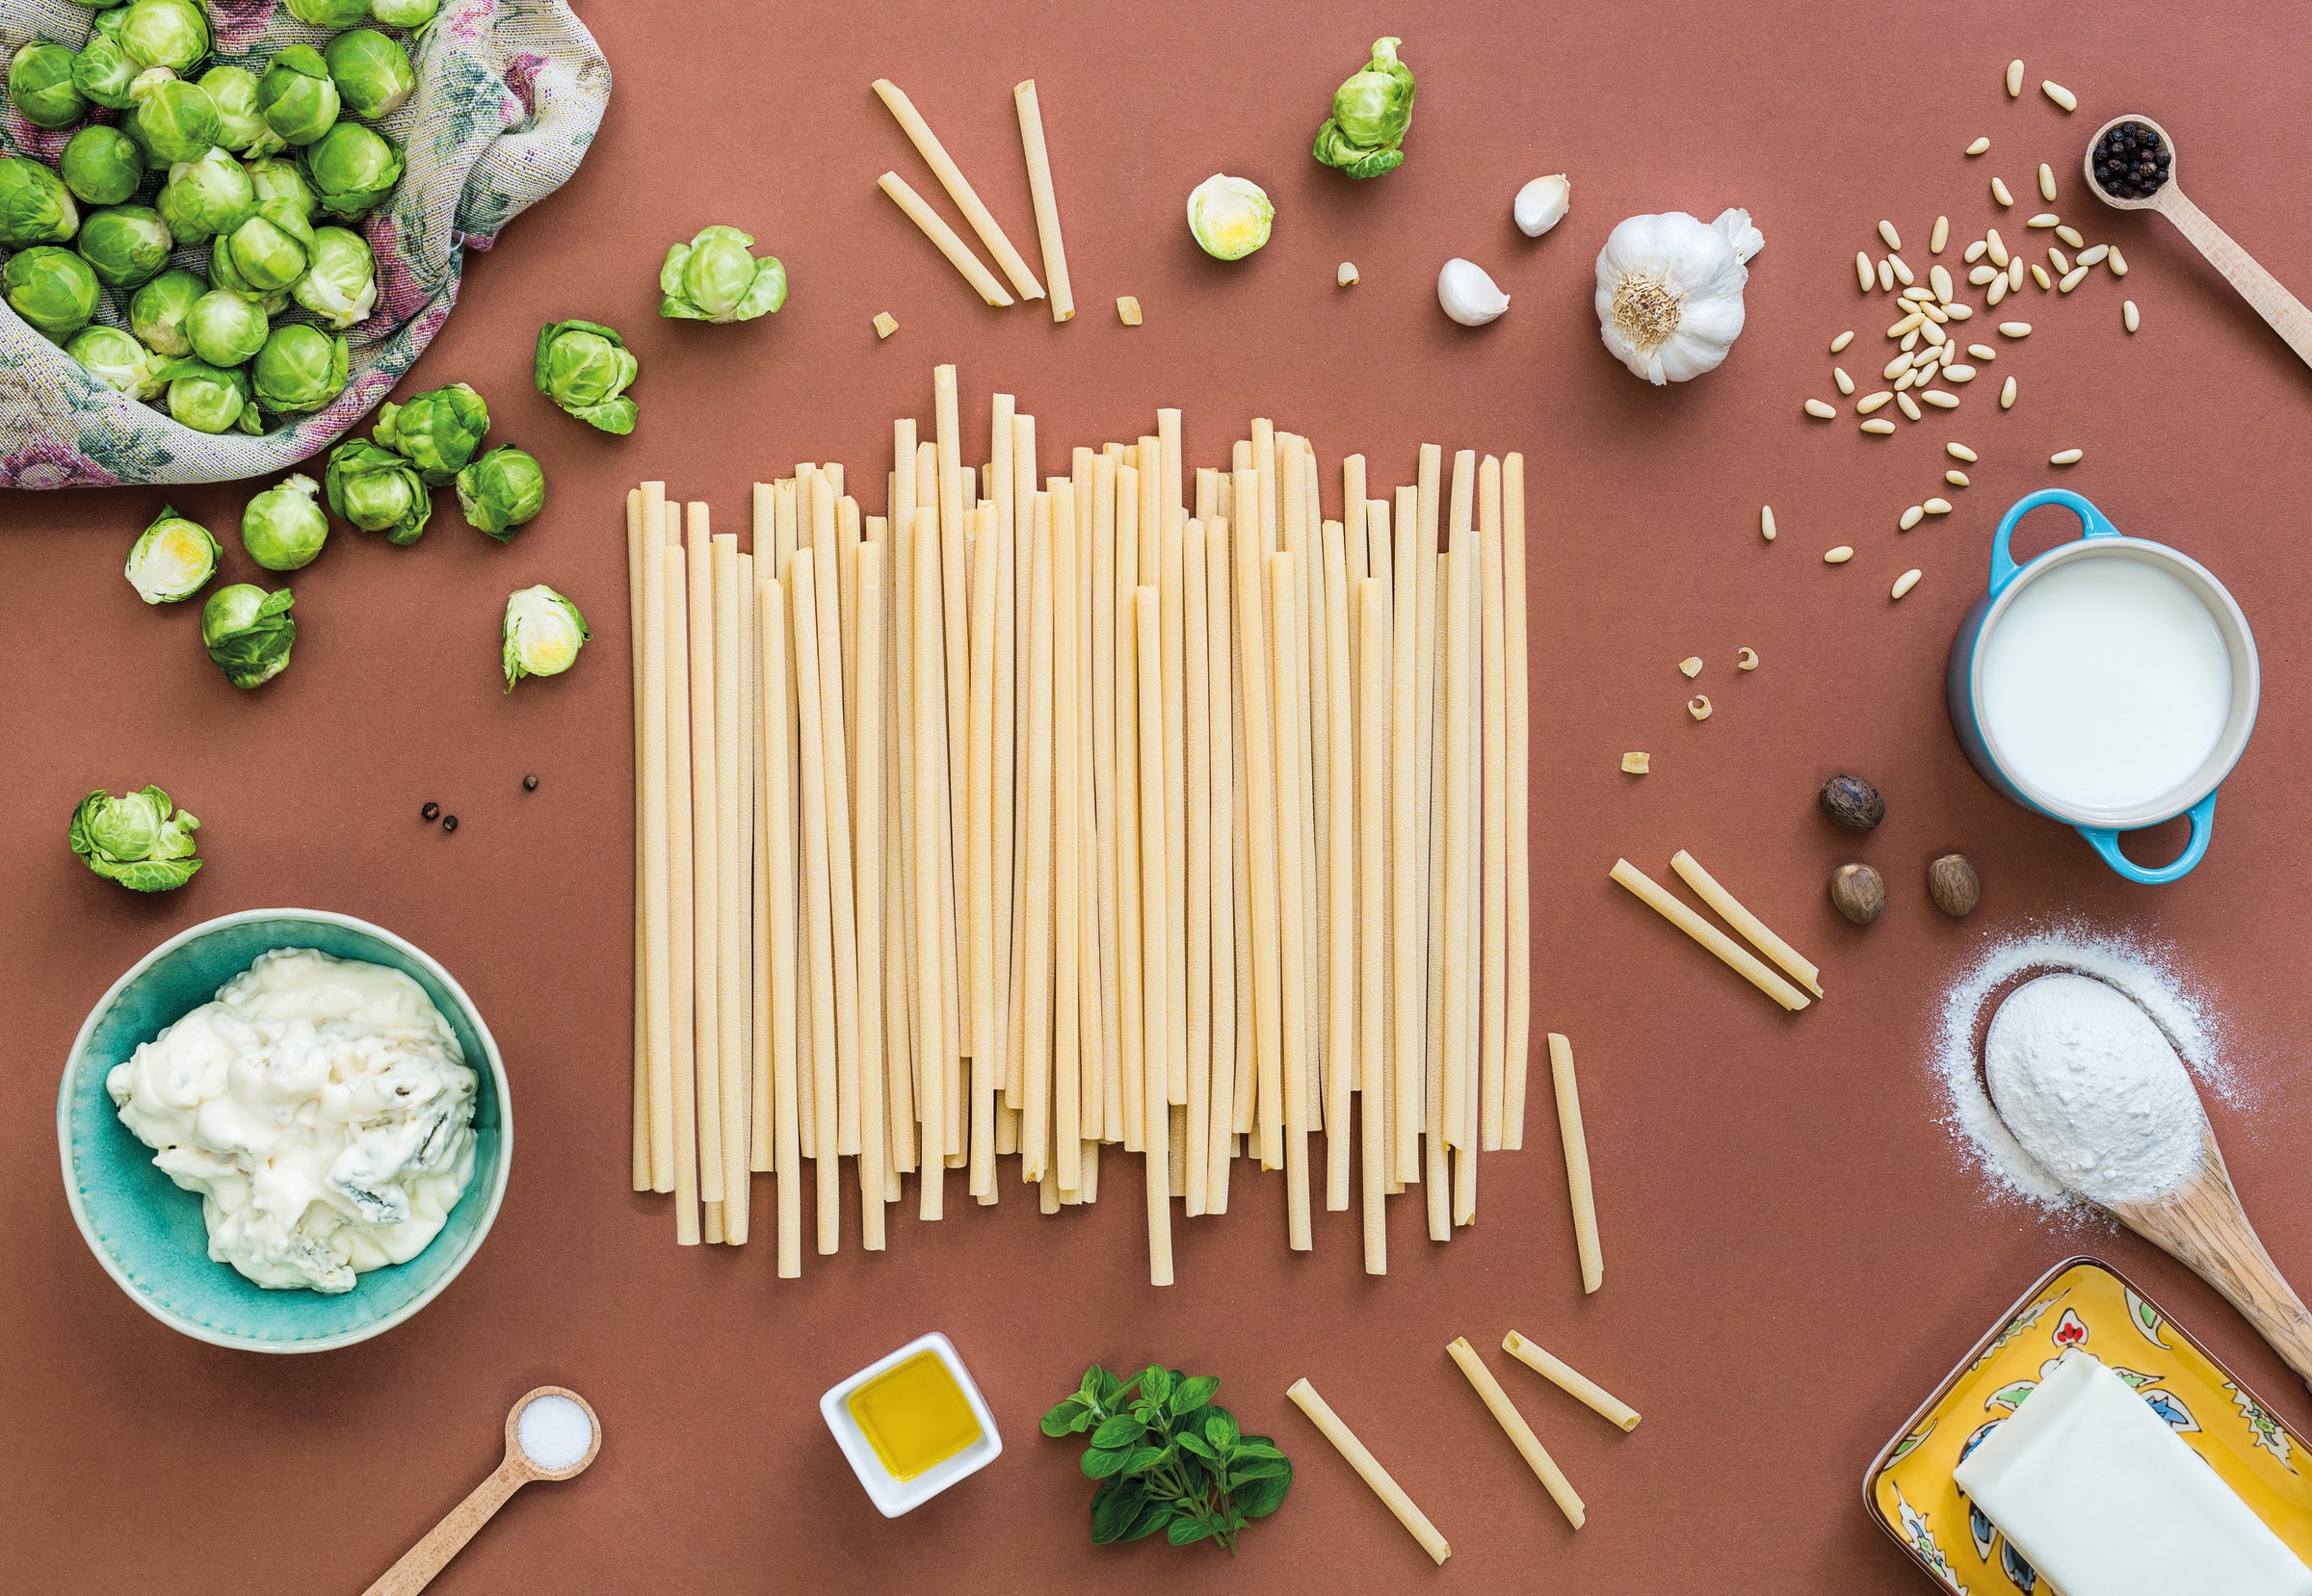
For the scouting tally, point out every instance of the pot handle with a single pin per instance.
(2092, 522)
(2106, 841)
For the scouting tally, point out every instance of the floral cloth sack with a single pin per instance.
(508, 95)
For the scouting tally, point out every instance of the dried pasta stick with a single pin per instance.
(1435, 1171)
(1577, 1163)
(1460, 734)
(867, 710)
(899, 992)
(794, 532)
(706, 875)
(1409, 853)
(1520, 1433)
(682, 884)
(985, 561)
(1520, 860)
(1156, 1121)
(1288, 682)
(944, 735)
(1375, 940)
(1373, 769)
(1297, 800)
(1097, 1047)
(1023, 499)
(1035, 1111)
(1368, 1467)
(1575, 1384)
(1104, 894)
(643, 1138)
(955, 569)
(1047, 207)
(1231, 966)
(1493, 875)
(656, 888)
(1261, 792)
(1708, 935)
(933, 1048)
(786, 1153)
(1730, 910)
(754, 569)
(817, 911)
(943, 238)
(1173, 620)
(731, 894)
(836, 766)
(1197, 785)
(1316, 725)
(1131, 1021)
(951, 178)
(1340, 874)
(1067, 854)
(1008, 578)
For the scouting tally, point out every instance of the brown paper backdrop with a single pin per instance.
(1794, 1254)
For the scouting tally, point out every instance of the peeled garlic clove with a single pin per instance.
(1541, 204)
(1468, 295)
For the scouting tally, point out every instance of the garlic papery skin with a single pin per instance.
(1469, 296)
(1541, 204)
(1670, 291)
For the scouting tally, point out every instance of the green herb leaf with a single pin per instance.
(1167, 1458)
(1142, 1458)
(1263, 1468)
(1062, 1419)
(1088, 1392)
(1099, 1465)
(1189, 1441)
(1262, 1497)
(1153, 1516)
(1219, 1428)
(1192, 1393)
(1187, 1532)
(1155, 1384)
(1120, 1430)
(1114, 1507)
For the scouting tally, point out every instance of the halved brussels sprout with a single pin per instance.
(115, 358)
(272, 248)
(296, 96)
(172, 560)
(159, 311)
(283, 528)
(102, 72)
(300, 369)
(51, 288)
(101, 166)
(413, 14)
(162, 33)
(205, 198)
(341, 285)
(330, 14)
(585, 367)
(502, 491)
(35, 205)
(1231, 217)
(248, 633)
(278, 177)
(241, 127)
(209, 400)
(353, 168)
(372, 72)
(174, 121)
(378, 490)
(39, 80)
(436, 432)
(713, 278)
(544, 633)
(141, 840)
(227, 330)
(124, 244)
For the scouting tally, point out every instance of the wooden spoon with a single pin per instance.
(429, 1556)
(2258, 287)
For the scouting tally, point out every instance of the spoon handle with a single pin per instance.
(2258, 287)
(2204, 1229)
(429, 1556)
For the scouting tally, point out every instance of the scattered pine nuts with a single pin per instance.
(2046, 182)
(1879, 427)
(2069, 235)
(1869, 403)
(2014, 79)
(2056, 92)
(2072, 279)
(2093, 254)
(2128, 317)
(1940, 236)
(1982, 275)
(1886, 231)
(1819, 410)
(1941, 399)
(1960, 452)
(2038, 274)
(1845, 384)
(1911, 517)
(2014, 330)
(2000, 192)
(1346, 275)
(1698, 706)
(1956, 478)
(1886, 276)
(1842, 341)
(1838, 555)
(1983, 352)
(2007, 395)
(1863, 273)
(1746, 659)
(1958, 374)
(2065, 456)
(2045, 218)
(1936, 507)
(1909, 406)
(1637, 764)
(1996, 248)
(1974, 250)
(1904, 583)
(1980, 145)
(1765, 522)
(2117, 261)
(1894, 264)
(1127, 309)
(1691, 666)
(884, 325)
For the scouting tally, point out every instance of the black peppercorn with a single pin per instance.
(449, 823)
(431, 812)
(2131, 161)
(529, 784)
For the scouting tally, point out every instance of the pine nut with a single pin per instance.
(2046, 182)
(1940, 236)
(1904, 583)
(1886, 276)
(2038, 274)
(2065, 456)
(1995, 246)
(1819, 410)
(2117, 261)
(1933, 312)
(1982, 275)
(1869, 403)
(2093, 254)
(2000, 192)
(1957, 478)
(1983, 352)
(1932, 333)
(1958, 374)
(2062, 262)
(1842, 341)
(2007, 395)
(2056, 92)
(1895, 265)
(1938, 278)
(1996, 292)
(1845, 384)
(1879, 427)
(1908, 405)
(1936, 507)
(2014, 79)
(1907, 379)
(1838, 555)
(2014, 330)
(1905, 325)
(2045, 218)
(1959, 310)
(1910, 339)
(1765, 522)
(1974, 252)
(1911, 517)
(2072, 279)
(1886, 231)
(2015, 272)
(1941, 399)
(1863, 273)
(1895, 367)
(1980, 145)
(2069, 235)
(2128, 317)
(1960, 452)
(1916, 293)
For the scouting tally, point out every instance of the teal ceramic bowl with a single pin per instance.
(147, 1233)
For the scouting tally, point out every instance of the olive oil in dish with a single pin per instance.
(915, 1416)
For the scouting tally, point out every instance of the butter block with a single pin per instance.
(2094, 1490)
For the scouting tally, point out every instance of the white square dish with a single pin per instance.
(894, 1496)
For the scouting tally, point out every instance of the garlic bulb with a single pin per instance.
(1541, 204)
(1468, 295)
(1670, 291)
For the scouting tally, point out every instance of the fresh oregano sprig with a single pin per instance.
(1169, 1458)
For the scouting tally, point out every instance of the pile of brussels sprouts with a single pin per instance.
(268, 170)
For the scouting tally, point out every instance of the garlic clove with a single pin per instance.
(1468, 295)
(1541, 204)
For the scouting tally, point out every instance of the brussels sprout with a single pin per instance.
(278, 177)
(298, 99)
(585, 367)
(209, 400)
(39, 80)
(162, 33)
(141, 840)
(378, 490)
(353, 169)
(272, 248)
(52, 288)
(241, 127)
(172, 560)
(124, 244)
(544, 634)
(174, 121)
(1231, 217)
(1370, 115)
(436, 432)
(300, 369)
(227, 330)
(372, 72)
(115, 358)
(223, 274)
(205, 198)
(341, 285)
(102, 72)
(248, 633)
(35, 205)
(330, 14)
(713, 278)
(413, 14)
(283, 527)
(502, 491)
(159, 311)
(101, 166)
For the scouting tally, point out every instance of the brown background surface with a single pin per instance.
(1795, 1253)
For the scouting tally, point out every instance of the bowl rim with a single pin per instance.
(345, 1338)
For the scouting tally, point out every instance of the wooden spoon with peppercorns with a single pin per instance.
(2132, 164)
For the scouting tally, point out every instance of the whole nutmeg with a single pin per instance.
(1852, 803)
(1954, 885)
(1858, 892)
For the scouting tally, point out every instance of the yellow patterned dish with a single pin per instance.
(2087, 1304)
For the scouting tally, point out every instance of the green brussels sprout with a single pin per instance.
(341, 285)
(102, 72)
(413, 14)
(278, 177)
(372, 72)
(713, 278)
(248, 633)
(159, 311)
(330, 14)
(1370, 115)
(174, 121)
(35, 205)
(227, 330)
(283, 528)
(585, 367)
(223, 274)
(52, 288)
(378, 490)
(101, 166)
(502, 491)
(39, 80)
(272, 248)
(241, 127)
(141, 840)
(353, 169)
(210, 400)
(115, 358)
(436, 432)
(172, 560)
(300, 369)
(162, 33)
(544, 634)
(296, 96)
(1231, 217)
(124, 244)
(205, 198)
